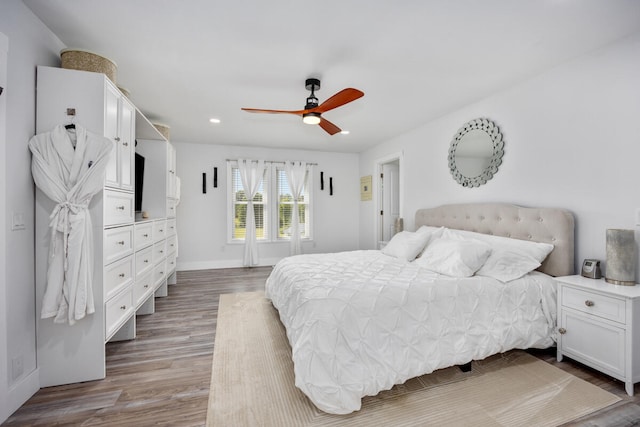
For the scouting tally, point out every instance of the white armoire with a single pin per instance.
(130, 264)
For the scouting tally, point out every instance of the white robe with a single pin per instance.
(70, 177)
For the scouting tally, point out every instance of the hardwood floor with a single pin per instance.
(162, 377)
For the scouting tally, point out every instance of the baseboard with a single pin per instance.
(19, 393)
(207, 265)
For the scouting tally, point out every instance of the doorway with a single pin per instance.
(389, 209)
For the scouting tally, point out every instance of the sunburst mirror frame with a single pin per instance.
(494, 137)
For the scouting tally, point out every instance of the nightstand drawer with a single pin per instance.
(599, 305)
(593, 342)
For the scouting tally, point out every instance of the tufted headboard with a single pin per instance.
(548, 225)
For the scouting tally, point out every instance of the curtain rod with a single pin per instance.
(269, 161)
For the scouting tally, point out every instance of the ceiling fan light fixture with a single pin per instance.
(311, 118)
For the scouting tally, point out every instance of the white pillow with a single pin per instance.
(535, 250)
(435, 232)
(406, 244)
(454, 257)
(506, 266)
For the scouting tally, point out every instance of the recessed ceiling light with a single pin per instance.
(214, 120)
(344, 132)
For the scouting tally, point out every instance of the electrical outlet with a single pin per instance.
(17, 367)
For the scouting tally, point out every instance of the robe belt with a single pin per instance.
(61, 214)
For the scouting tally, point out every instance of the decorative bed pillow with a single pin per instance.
(535, 250)
(407, 245)
(454, 257)
(506, 266)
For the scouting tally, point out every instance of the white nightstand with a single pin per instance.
(599, 325)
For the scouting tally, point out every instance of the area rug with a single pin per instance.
(252, 384)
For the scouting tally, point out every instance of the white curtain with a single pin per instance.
(296, 172)
(251, 174)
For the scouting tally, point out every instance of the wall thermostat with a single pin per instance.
(591, 268)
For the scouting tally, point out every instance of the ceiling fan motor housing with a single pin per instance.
(312, 85)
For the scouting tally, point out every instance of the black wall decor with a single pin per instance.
(204, 183)
(321, 180)
(331, 186)
(215, 177)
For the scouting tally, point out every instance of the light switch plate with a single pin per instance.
(17, 221)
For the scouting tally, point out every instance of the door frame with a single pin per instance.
(392, 157)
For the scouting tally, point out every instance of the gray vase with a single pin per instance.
(621, 257)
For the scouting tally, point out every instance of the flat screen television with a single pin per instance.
(139, 175)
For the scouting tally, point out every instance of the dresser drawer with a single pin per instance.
(172, 245)
(159, 251)
(171, 208)
(117, 311)
(143, 234)
(117, 243)
(603, 306)
(118, 208)
(159, 273)
(159, 230)
(171, 263)
(117, 276)
(142, 288)
(144, 261)
(171, 227)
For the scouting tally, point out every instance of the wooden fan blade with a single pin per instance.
(328, 126)
(258, 110)
(343, 97)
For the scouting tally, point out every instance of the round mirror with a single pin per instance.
(476, 152)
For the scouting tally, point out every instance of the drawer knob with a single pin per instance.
(121, 275)
(589, 303)
(145, 235)
(117, 138)
(562, 331)
(146, 286)
(146, 260)
(121, 242)
(126, 144)
(161, 252)
(120, 208)
(123, 307)
(162, 230)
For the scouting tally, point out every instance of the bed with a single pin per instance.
(360, 322)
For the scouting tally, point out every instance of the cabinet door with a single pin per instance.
(127, 143)
(594, 342)
(112, 99)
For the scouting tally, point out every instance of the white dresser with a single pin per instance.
(125, 260)
(599, 325)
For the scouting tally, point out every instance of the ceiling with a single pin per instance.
(186, 61)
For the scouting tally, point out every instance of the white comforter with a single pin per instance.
(360, 322)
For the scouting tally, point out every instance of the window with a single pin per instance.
(272, 214)
(285, 206)
(239, 202)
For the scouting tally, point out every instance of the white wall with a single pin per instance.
(30, 44)
(202, 217)
(572, 140)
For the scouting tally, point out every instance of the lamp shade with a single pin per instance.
(621, 257)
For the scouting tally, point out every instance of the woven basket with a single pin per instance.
(78, 59)
(125, 91)
(163, 129)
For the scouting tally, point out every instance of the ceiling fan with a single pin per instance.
(312, 113)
